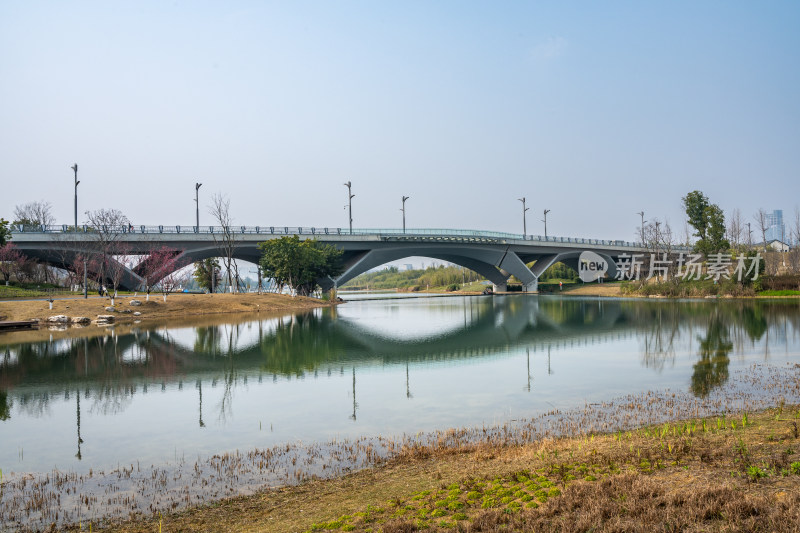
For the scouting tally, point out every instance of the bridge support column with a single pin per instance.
(532, 286)
(499, 287)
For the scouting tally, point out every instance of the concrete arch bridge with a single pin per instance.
(494, 255)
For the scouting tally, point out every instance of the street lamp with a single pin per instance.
(197, 203)
(403, 209)
(524, 224)
(641, 214)
(350, 204)
(545, 223)
(75, 168)
(749, 236)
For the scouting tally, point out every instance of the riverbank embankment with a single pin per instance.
(156, 307)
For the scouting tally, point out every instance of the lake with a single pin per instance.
(92, 399)
(371, 367)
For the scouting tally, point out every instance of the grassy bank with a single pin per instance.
(737, 473)
(32, 290)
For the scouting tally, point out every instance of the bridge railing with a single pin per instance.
(312, 230)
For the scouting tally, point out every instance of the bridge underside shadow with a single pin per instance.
(495, 263)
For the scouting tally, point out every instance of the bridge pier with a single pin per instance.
(499, 287)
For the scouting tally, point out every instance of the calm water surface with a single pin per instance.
(370, 367)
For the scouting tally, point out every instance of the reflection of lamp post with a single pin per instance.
(524, 224)
(403, 209)
(200, 389)
(528, 351)
(197, 203)
(78, 410)
(75, 168)
(353, 416)
(408, 389)
(350, 204)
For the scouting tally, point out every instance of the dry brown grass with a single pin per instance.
(592, 289)
(176, 306)
(720, 476)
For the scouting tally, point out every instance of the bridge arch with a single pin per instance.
(495, 265)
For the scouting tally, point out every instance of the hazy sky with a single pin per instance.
(595, 110)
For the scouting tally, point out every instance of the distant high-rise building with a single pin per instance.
(776, 231)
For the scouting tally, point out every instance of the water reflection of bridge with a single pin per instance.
(115, 366)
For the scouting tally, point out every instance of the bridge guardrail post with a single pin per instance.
(178, 229)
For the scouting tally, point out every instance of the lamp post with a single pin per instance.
(545, 223)
(197, 203)
(403, 209)
(75, 168)
(524, 223)
(641, 214)
(749, 236)
(350, 204)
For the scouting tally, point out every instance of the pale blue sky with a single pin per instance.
(595, 110)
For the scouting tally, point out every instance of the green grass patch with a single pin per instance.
(779, 293)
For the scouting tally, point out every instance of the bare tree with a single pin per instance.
(173, 281)
(118, 266)
(735, 228)
(796, 229)
(107, 226)
(34, 214)
(687, 235)
(761, 219)
(225, 239)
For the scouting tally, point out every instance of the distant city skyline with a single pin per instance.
(595, 112)
(776, 229)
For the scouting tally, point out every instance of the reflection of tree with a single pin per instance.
(755, 324)
(225, 405)
(300, 343)
(712, 368)
(5, 405)
(659, 339)
(207, 340)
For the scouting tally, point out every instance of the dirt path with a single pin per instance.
(176, 306)
(593, 289)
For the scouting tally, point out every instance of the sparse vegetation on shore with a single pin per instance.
(724, 473)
